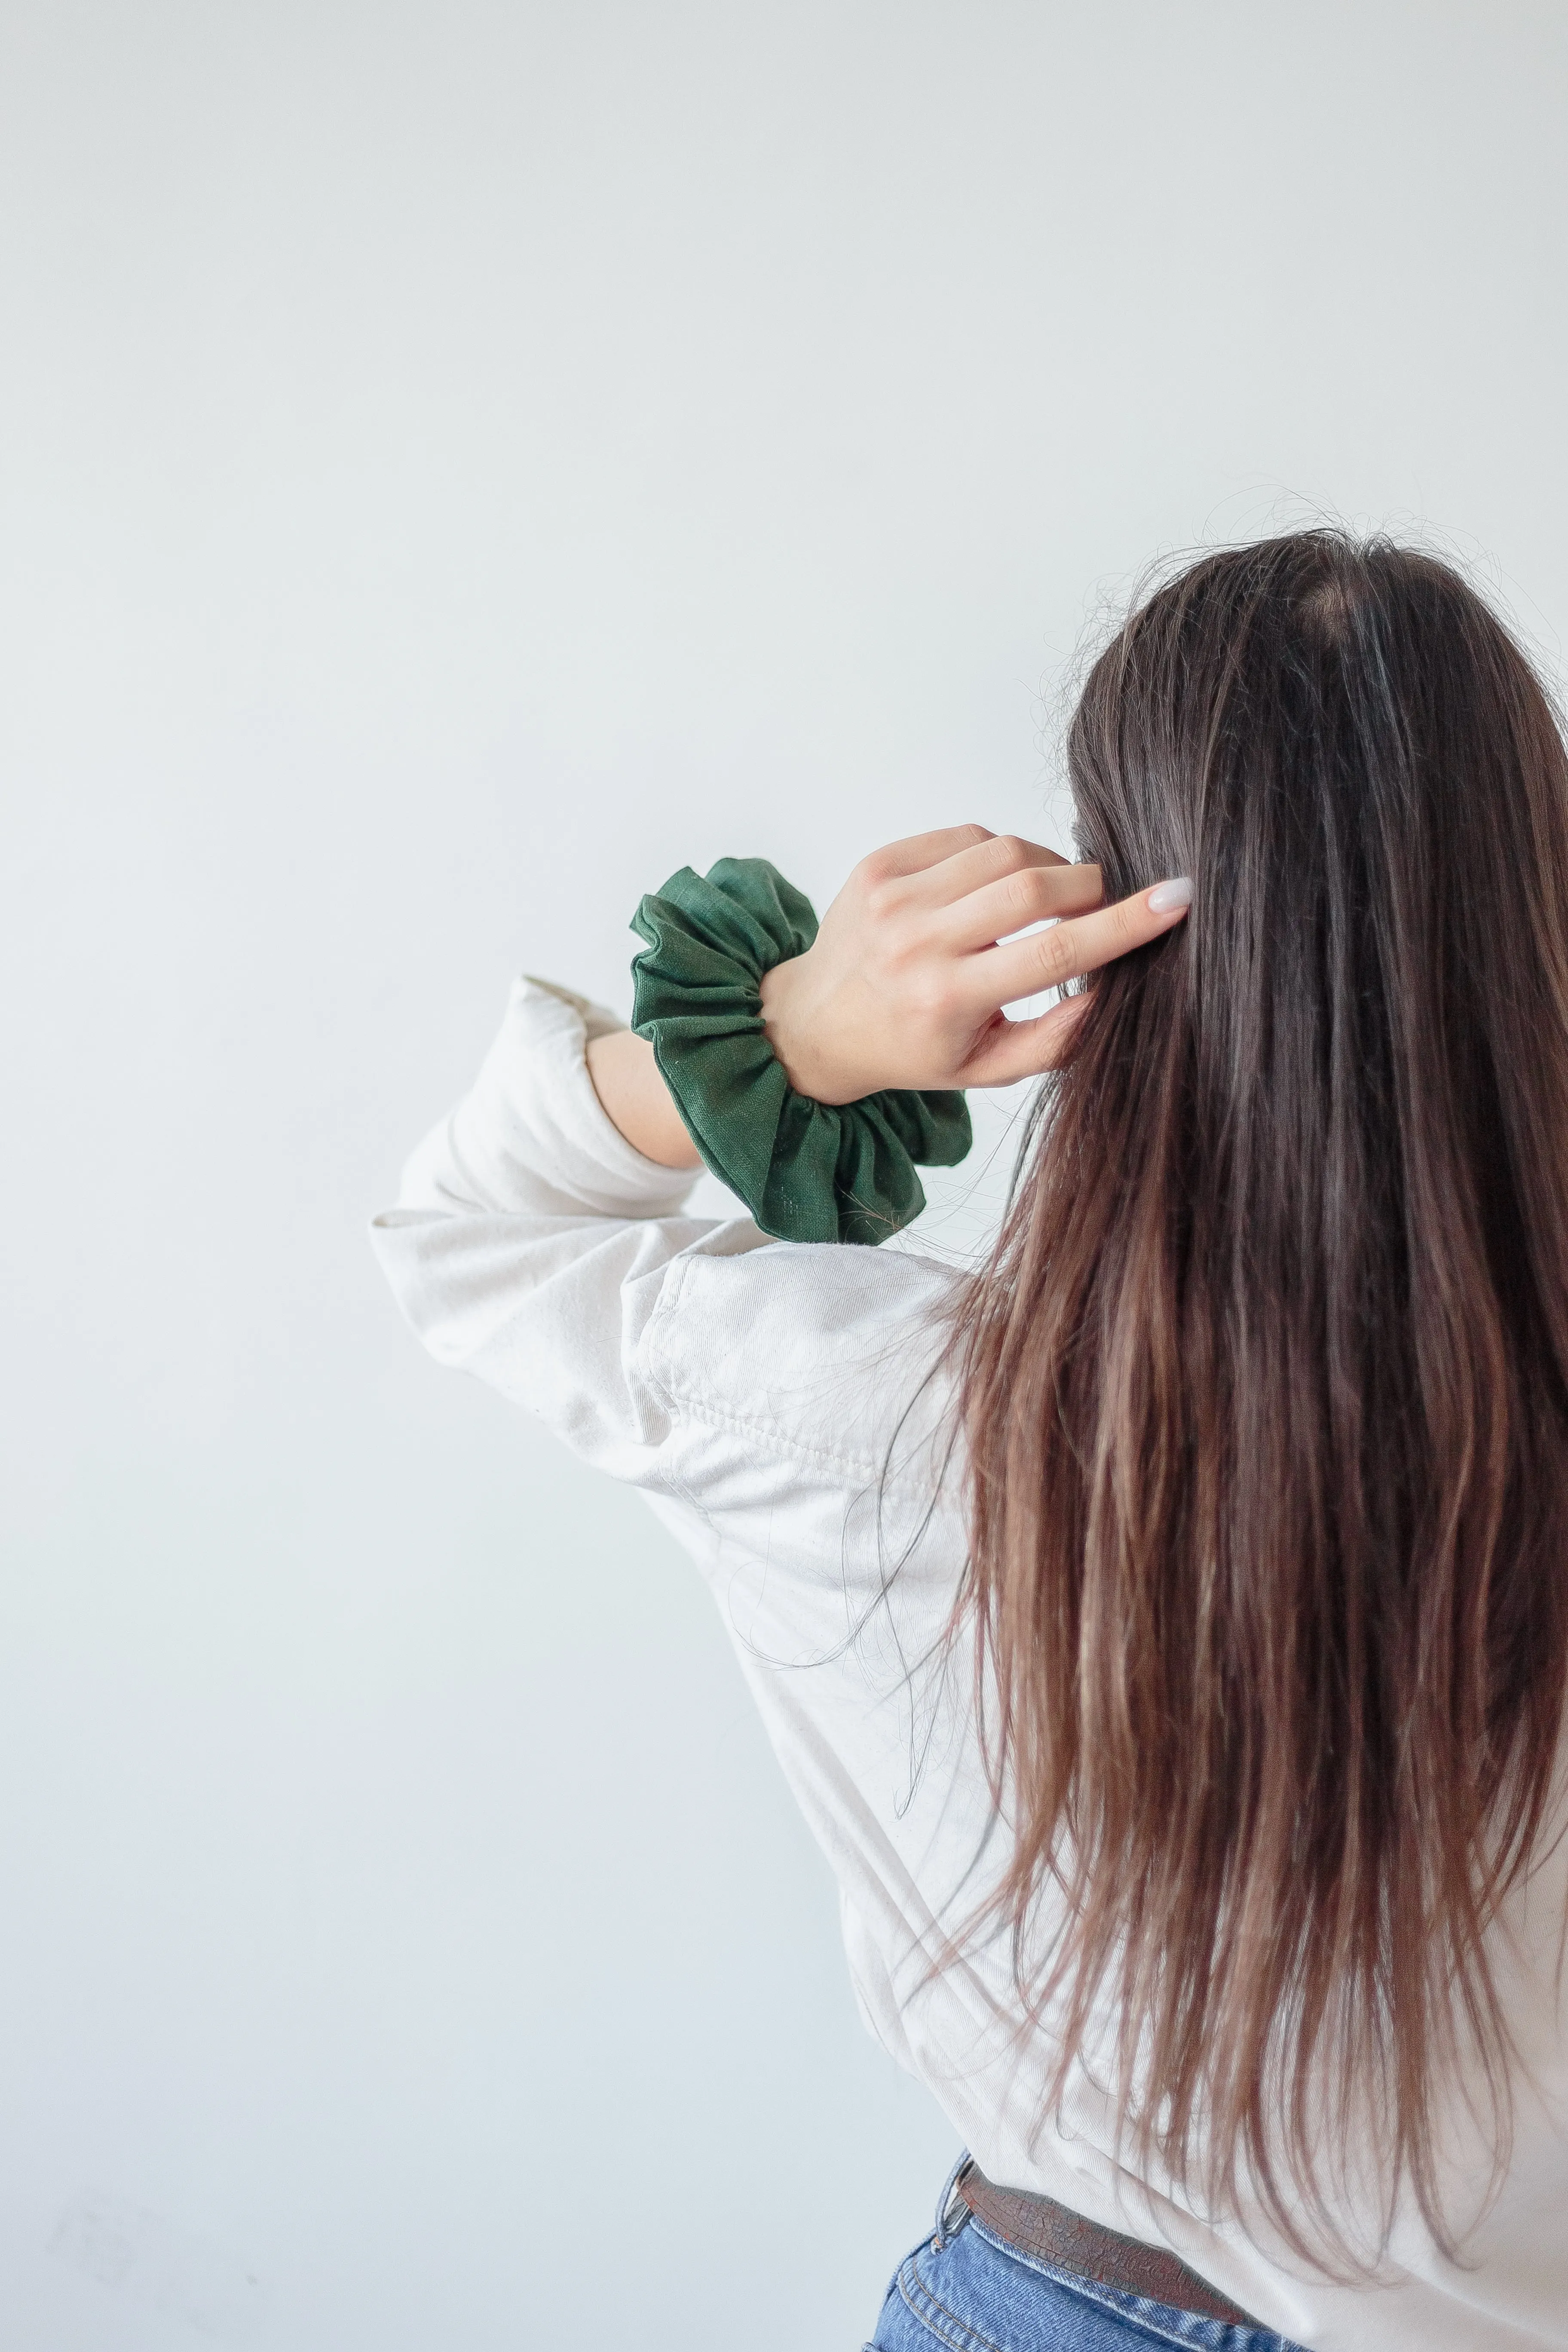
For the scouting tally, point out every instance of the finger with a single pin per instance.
(1035, 894)
(1022, 1049)
(970, 866)
(921, 850)
(1084, 943)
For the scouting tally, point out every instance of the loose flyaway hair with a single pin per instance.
(1266, 1385)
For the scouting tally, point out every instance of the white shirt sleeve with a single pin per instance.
(530, 1241)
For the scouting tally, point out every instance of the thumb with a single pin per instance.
(1023, 1049)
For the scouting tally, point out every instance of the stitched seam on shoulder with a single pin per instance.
(666, 1303)
(671, 1284)
(766, 1432)
(696, 1405)
(690, 1404)
(656, 1365)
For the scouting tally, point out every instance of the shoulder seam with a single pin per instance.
(693, 1404)
(717, 1416)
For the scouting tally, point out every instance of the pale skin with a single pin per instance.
(906, 979)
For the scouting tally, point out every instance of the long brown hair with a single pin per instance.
(1266, 1384)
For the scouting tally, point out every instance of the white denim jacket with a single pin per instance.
(778, 1406)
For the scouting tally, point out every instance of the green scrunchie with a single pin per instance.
(808, 1171)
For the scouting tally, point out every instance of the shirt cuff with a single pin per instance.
(541, 1058)
(531, 1136)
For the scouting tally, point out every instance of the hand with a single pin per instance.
(905, 983)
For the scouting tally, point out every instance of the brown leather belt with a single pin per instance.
(1053, 2233)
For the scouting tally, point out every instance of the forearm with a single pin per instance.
(636, 1099)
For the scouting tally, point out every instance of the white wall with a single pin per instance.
(458, 463)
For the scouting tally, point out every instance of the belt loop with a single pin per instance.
(942, 2238)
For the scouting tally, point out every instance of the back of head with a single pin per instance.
(1267, 1385)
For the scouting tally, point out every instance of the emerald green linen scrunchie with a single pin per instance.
(808, 1171)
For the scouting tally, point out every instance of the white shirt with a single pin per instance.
(775, 1403)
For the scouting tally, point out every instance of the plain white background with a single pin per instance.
(457, 463)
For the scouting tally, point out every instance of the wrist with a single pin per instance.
(796, 1031)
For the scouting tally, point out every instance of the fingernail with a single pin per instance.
(1166, 897)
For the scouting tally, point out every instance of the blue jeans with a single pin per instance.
(964, 2291)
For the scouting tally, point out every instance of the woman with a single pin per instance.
(1165, 1629)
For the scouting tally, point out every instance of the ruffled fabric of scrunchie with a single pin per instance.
(808, 1171)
